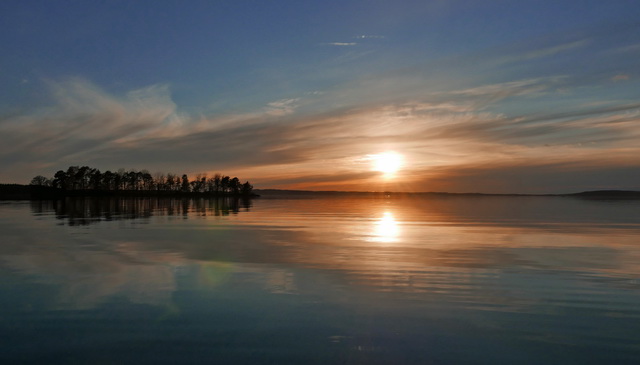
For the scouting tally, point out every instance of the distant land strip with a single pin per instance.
(37, 192)
(596, 194)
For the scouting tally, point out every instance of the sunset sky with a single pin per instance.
(490, 96)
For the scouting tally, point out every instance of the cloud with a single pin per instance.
(577, 126)
(369, 36)
(629, 48)
(448, 138)
(536, 177)
(511, 88)
(335, 178)
(282, 107)
(84, 119)
(620, 77)
(342, 44)
(553, 50)
(492, 93)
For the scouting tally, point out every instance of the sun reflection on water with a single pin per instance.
(386, 229)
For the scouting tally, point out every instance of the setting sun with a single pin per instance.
(387, 162)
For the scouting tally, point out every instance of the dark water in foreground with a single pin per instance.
(462, 280)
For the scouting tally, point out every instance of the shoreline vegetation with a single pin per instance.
(88, 181)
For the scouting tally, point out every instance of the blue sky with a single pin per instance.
(494, 96)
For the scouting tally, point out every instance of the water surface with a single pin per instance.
(452, 280)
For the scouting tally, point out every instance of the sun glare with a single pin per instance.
(386, 229)
(387, 162)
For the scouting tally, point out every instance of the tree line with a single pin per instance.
(88, 178)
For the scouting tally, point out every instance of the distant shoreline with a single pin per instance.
(594, 194)
(32, 192)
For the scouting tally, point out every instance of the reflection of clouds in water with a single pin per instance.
(280, 281)
(449, 246)
(140, 284)
(211, 274)
(86, 278)
(386, 229)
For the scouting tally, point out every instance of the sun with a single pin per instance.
(387, 162)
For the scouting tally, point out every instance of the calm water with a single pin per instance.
(461, 280)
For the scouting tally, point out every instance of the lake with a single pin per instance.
(321, 280)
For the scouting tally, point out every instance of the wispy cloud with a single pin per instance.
(620, 77)
(282, 107)
(442, 135)
(341, 44)
(633, 48)
(370, 36)
(488, 94)
(84, 118)
(553, 50)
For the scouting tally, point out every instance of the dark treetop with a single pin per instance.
(85, 180)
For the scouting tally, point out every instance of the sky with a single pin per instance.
(495, 96)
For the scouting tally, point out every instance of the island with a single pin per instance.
(88, 181)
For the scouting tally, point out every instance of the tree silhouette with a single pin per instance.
(234, 186)
(247, 188)
(85, 178)
(185, 184)
(40, 181)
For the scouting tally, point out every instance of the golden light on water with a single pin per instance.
(386, 229)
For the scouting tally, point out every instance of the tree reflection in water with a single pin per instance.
(79, 211)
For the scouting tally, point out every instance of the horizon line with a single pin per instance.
(586, 192)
